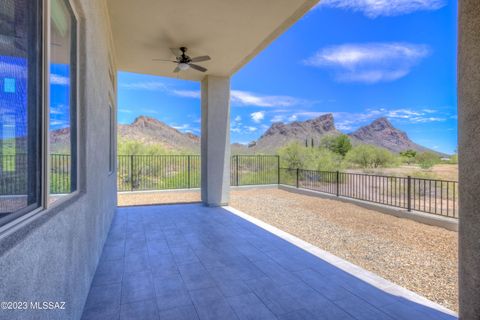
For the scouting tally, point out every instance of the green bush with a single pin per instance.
(132, 147)
(408, 156)
(338, 144)
(426, 160)
(368, 156)
(293, 155)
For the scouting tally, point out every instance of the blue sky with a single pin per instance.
(355, 59)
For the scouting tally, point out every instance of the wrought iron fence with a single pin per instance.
(160, 172)
(425, 195)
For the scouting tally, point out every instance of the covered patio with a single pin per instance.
(194, 262)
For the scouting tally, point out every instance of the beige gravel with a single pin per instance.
(419, 257)
(164, 197)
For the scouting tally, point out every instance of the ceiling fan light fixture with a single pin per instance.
(183, 66)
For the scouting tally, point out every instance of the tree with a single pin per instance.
(426, 160)
(292, 155)
(339, 144)
(368, 156)
(408, 156)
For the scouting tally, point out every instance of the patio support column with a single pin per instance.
(215, 140)
(469, 157)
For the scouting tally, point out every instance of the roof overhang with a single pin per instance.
(231, 32)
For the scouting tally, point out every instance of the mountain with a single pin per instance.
(148, 130)
(152, 131)
(383, 134)
(280, 133)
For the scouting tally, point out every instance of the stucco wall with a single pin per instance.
(469, 157)
(53, 257)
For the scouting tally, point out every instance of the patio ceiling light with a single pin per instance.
(183, 66)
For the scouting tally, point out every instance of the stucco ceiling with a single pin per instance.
(231, 32)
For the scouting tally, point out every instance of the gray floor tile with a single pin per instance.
(103, 301)
(171, 292)
(297, 315)
(114, 252)
(184, 255)
(219, 310)
(137, 286)
(195, 276)
(136, 262)
(275, 272)
(250, 307)
(192, 262)
(181, 313)
(406, 311)
(233, 287)
(277, 298)
(360, 309)
(142, 310)
(108, 272)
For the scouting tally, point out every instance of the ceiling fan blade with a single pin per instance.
(197, 67)
(200, 59)
(176, 70)
(176, 51)
(163, 60)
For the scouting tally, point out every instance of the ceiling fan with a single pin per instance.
(184, 62)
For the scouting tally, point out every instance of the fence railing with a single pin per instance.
(426, 195)
(160, 172)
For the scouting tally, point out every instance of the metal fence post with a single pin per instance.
(131, 172)
(409, 193)
(298, 184)
(236, 170)
(338, 183)
(188, 157)
(278, 169)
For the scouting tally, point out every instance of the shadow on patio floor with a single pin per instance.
(195, 262)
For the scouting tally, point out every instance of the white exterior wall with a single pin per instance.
(53, 257)
(215, 140)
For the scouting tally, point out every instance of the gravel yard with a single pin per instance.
(419, 257)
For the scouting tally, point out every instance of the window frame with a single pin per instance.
(25, 215)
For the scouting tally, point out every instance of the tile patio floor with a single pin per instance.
(193, 262)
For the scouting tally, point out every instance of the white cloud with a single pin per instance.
(146, 85)
(376, 8)
(243, 98)
(370, 62)
(257, 116)
(238, 119)
(251, 129)
(187, 93)
(293, 117)
(278, 118)
(246, 98)
(350, 121)
(59, 79)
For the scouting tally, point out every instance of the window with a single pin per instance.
(20, 107)
(24, 91)
(62, 100)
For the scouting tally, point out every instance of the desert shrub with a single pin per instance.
(408, 156)
(368, 156)
(322, 159)
(132, 147)
(293, 155)
(453, 159)
(338, 144)
(426, 160)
